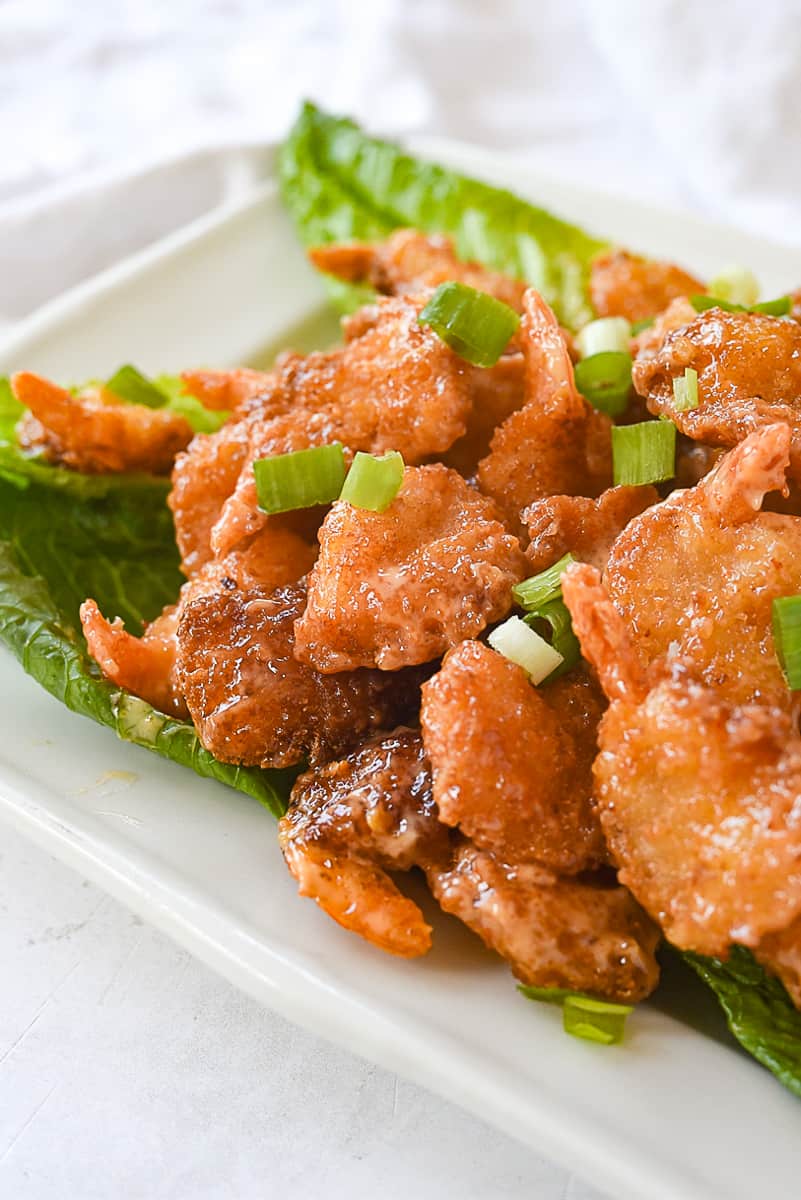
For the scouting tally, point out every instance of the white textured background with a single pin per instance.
(127, 1070)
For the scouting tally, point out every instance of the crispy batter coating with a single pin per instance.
(700, 798)
(695, 576)
(253, 702)
(584, 935)
(648, 341)
(350, 823)
(408, 261)
(96, 433)
(585, 528)
(227, 390)
(749, 376)
(556, 445)
(396, 386)
(495, 393)
(624, 285)
(400, 587)
(146, 665)
(512, 764)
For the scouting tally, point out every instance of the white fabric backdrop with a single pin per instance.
(126, 1069)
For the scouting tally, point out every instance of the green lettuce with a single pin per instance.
(341, 185)
(758, 1011)
(66, 536)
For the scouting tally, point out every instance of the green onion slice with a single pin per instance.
(520, 644)
(545, 586)
(300, 479)
(779, 307)
(129, 384)
(545, 995)
(474, 324)
(563, 639)
(373, 482)
(594, 1020)
(702, 303)
(786, 614)
(605, 380)
(638, 326)
(685, 390)
(644, 453)
(605, 334)
(737, 285)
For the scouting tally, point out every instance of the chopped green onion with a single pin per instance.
(779, 307)
(605, 380)
(300, 479)
(373, 482)
(129, 384)
(594, 1020)
(563, 639)
(520, 644)
(607, 333)
(786, 613)
(685, 390)
(737, 285)
(638, 326)
(544, 995)
(545, 586)
(474, 324)
(644, 453)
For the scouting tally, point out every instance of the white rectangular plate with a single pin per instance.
(673, 1112)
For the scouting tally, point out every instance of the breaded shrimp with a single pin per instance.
(585, 528)
(749, 376)
(96, 433)
(253, 702)
(495, 393)
(624, 285)
(231, 390)
(144, 666)
(699, 798)
(394, 387)
(695, 576)
(585, 935)
(647, 342)
(512, 764)
(408, 261)
(556, 445)
(350, 823)
(400, 587)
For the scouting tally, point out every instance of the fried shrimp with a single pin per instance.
(395, 386)
(699, 798)
(514, 775)
(253, 702)
(695, 576)
(624, 285)
(95, 432)
(585, 528)
(585, 935)
(495, 393)
(144, 666)
(556, 444)
(227, 390)
(353, 821)
(749, 376)
(408, 261)
(400, 587)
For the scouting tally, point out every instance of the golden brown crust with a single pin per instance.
(624, 285)
(585, 528)
(253, 702)
(583, 935)
(400, 587)
(512, 764)
(495, 393)
(749, 376)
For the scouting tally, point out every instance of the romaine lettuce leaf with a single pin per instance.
(340, 185)
(758, 1011)
(66, 536)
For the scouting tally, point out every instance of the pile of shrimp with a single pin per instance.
(654, 788)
